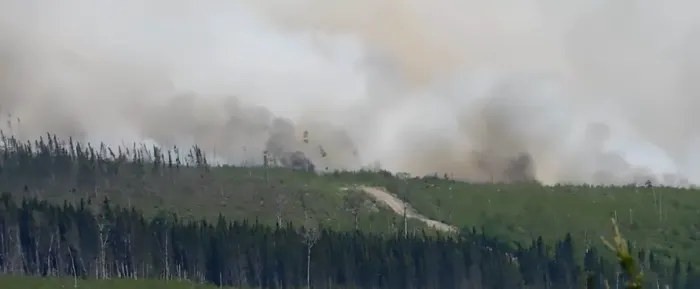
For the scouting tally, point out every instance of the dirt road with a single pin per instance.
(397, 205)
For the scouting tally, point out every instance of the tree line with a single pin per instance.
(102, 240)
(53, 163)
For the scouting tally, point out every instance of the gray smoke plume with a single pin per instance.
(583, 91)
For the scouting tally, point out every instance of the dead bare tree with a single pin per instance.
(3, 251)
(104, 230)
(103, 236)
(133, 274)
(311, 236)
(36, 229)
(73, 241)
(72, 261)
(49, 268)
(15, 259)
(281, 202)
(403, 178)
(266, 165)
(166, 257)
(59, 249)
(405, 218)
(353, 204)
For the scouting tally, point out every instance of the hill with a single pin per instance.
(160, 182)
(663, 220)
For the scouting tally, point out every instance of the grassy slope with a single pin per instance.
(525, 210)
(10, 282)
(241, 193)
(517, 212)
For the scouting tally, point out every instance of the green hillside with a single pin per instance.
(666, 220)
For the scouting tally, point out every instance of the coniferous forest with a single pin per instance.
(90, 236)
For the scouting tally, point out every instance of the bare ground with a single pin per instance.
(398, 206)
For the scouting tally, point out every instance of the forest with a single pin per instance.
(73, 211)
(99, 240)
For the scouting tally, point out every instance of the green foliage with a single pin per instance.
(627, 263)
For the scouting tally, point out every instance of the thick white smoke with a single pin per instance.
(583, 91)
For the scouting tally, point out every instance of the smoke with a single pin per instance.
(583, 91)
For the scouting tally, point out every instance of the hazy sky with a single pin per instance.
(582, 91)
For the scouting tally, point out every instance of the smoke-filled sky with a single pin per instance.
(584, 91)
